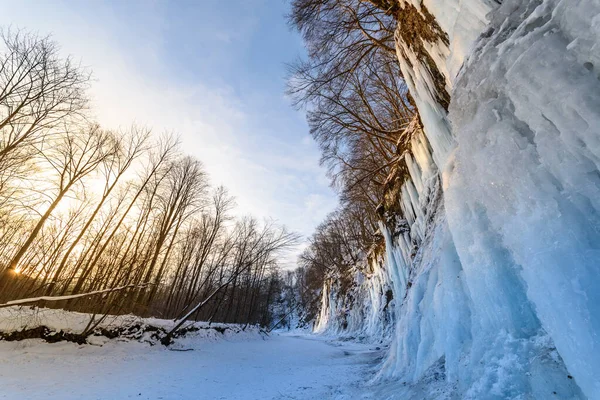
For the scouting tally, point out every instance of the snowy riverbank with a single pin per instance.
(54, 325)
(235, 367)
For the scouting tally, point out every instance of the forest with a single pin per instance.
(116, 222)
(362, 117)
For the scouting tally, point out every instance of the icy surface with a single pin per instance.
(497, 287)
(364, 314)
(523, 197)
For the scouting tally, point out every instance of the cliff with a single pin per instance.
(491, 220)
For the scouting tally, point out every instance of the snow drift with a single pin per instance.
(54, 325)
(493, 255)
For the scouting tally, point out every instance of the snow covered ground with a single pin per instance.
(282, 366)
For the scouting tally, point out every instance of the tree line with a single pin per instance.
(124, 214)
(358, 110)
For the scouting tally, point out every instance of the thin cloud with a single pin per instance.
(245, 142)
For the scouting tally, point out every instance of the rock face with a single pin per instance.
(492, 233)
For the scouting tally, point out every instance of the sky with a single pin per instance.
(212, 72)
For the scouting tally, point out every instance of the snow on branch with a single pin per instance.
(72, 296)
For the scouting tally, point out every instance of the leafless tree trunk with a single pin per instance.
(76, 155)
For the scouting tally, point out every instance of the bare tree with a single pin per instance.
(256, 248)
(38, 91)
(183, 197)
(128, 147)
(86, 212)
(351, 86)
(74, 156)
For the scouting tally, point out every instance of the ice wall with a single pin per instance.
(506, 290)
(368, 310)
(523, 190)
(365, 312)
(498, 277)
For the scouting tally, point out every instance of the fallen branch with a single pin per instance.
(167, 340)
(72, 296)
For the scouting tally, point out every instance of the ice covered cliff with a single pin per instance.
(493, 255)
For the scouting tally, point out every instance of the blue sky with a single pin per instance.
(212, 71)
